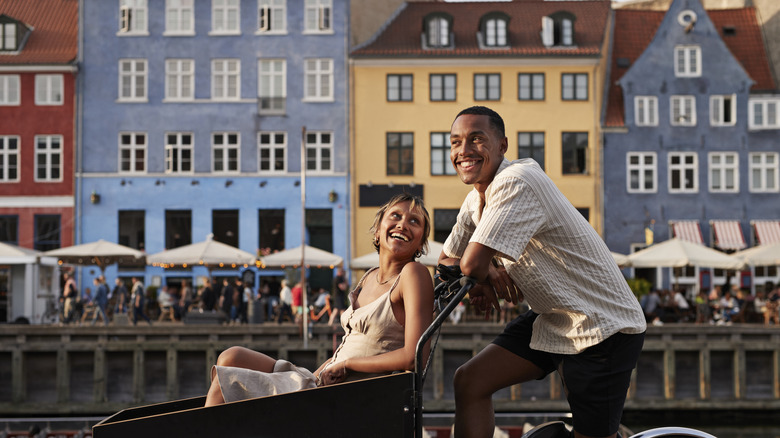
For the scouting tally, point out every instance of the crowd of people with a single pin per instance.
(719, 305)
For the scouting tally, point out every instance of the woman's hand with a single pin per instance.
(334, 373)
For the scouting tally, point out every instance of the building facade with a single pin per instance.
(690, 137)
(198, 119)
(540, 64)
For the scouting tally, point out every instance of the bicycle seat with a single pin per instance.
(553, 429)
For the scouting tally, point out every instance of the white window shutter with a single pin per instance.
(547, 31)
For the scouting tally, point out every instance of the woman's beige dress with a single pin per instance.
(369, 330)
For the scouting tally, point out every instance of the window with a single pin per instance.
(317, 16)
(763, 113)
(271, 224)
(272, 16)
(132, 80)
(178, 228)
(272, 86)
(48, 89)
(225, 147)
(132, 17)
(9, 158)
(226, 79)
(179, 79)
(271, 147)
(724, 172)
(9, 229)
(179, 17)
(443, 87)
(47, 231)
(9, 90)
(687, 61)
(178, 152)
(764, 172)
(530, 86)
(440, 153)
(132, 229)
(8, 36)
(437, 31)
(574, 152)
(224, 226)
(642, 172)
(48, 158)
(683, 111)
(646, 110)
(494, 30)
(443, 221)
(400, 153)
(132, 152)
(318, 79)
(399, 88)
(574, 86)
(531, 145)
(558, 29)
(319, 151)
(683, 172)
(225, 17)
(723, 110)
(487, 86)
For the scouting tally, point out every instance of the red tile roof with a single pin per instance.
(54, 38)
(401, 36)
(634, 30)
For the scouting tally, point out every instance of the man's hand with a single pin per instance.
(504, 286)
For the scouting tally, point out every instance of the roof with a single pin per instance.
(635, 29)
(401, 35)
(54, 36)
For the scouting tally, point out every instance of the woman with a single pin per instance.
(390, 309)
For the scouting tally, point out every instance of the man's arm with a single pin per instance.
(493, 281)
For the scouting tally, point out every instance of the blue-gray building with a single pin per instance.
(194, 116)
(691, 137)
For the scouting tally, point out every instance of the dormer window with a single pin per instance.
(12, 34)
(558, 29)
(437, 31)
(493, 30)
(132, 17)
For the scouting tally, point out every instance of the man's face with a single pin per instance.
(476, 150)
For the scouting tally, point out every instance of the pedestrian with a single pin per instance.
(137, 299)
(100, 300)
(338, 299)
(70, 295)
(120, 295)
(285, 303)
(517, 230)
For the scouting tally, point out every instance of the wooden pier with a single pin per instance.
(77, 370)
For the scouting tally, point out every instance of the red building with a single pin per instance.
(38, 66)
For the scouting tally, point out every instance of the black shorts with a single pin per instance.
(596, 380)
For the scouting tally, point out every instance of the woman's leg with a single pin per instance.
(492, 369)
(238, 357)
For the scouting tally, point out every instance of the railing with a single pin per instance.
(97, 370)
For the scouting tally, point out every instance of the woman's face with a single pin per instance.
(401, 230)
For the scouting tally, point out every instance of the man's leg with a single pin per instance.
(492, 369)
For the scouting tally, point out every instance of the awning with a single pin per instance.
(767, 231)
(688, 230)
(728, 235)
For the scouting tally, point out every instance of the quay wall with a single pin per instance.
(51, 370)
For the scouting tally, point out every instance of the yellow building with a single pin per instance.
(541, 65)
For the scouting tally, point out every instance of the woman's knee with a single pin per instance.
(231, 356)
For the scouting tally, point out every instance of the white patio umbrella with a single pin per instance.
(313, 257)
(208, 253)
(372, 259)
(101, 253)
(12, 254)
(675, 253)
(762, 255)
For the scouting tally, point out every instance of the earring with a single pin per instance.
(417, 254)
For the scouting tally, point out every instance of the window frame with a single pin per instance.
(441, 165)
(179, 148)
(268, 79)
(132, 148)
(768, 171)
(558, 29)
(6, 155)
(718, 115)
(133, 76)
(220, 68)
(319, 146)
(531, 87)
(180, 11)
(640, 170)
(679, 102)
(487, 87)
(404, 166)
(6, 88)
(317, 75)
(46, 88)
(274, 149)
(764, 103)
(318, 17)
(50, 155)
(680, 169)
(404, 91)
(9, 36)
(222, 27)
(278, 11)
(496, 40)
(437, 31)
(532, 145)
(575, 87)
(442, 88)
(230, 165)
(686, 67)
(646, 110)
(129, 11)
(45, 245)
(723, 171)
(586, 151)
(9, 223)
(181, 77)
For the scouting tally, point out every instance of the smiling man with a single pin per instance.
(520, 237)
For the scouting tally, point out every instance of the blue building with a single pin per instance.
(690, 137)
(194, 116)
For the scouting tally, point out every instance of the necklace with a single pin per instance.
(376, 277)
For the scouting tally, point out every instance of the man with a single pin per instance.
(120, 294)
(339, 296)
(100, 300)
(137, 297)
(522, 239)
(70, 295)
